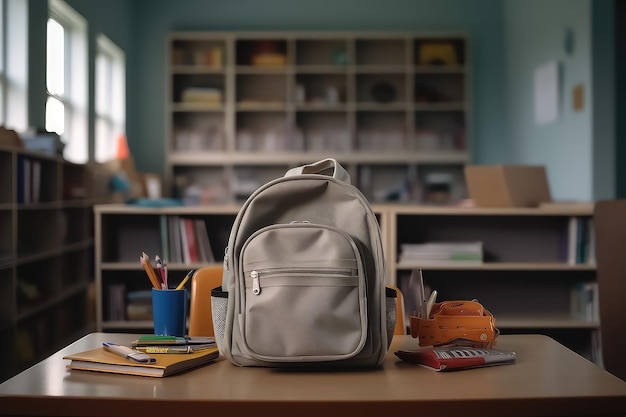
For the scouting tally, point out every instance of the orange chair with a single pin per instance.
(200, 316)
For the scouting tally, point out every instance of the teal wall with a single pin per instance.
(535, 33)
(509, 39)
(481, 20)
(579, 149)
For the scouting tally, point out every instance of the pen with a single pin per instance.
(128, 353)
(184, 281)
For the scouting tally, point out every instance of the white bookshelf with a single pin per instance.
(525, 279)
(371, 100)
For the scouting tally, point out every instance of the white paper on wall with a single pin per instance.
(547, 93)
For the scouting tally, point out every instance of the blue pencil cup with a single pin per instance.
(169, 309)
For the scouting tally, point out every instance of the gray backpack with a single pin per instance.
(304, 276)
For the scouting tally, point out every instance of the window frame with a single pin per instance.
(14, 64)
(76, 91)
(112, 112)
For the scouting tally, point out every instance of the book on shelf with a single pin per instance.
(139, 305)
(190, 234)
(99, 360)
(202, 240)
(117, 302)
(183, 241)
(442, 253)
(580, 241)
(175, 248)
(584, 301)
(452, 358)
(165, 247)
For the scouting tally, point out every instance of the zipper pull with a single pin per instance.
(256, 288)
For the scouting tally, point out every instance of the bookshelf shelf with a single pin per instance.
(46, 249)
(501, 266)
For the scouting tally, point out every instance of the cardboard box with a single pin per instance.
(507, 185)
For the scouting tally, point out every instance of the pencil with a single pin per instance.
(184, 281)
(147, 266)
(160, 273)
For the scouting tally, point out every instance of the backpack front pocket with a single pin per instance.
(303, 294)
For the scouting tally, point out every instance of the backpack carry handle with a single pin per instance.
(328, 166)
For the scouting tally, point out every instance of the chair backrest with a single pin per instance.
(609, 221)
(200, 316)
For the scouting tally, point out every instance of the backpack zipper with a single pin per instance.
(256, 283)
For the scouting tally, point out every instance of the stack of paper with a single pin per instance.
(442, 253)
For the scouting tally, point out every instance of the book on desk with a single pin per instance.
(100, 360)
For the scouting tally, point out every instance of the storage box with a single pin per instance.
(507, 185)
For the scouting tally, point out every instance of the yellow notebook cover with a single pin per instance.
(102, 361)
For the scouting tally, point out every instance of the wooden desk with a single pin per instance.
(547, 379)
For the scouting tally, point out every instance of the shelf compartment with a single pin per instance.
(381, 52)
(201, 184)
(7, 307)
(127, 236)
(381, 88)
(322, 52)
(198, 89)
(267, 132)
(320, 89)
(444, 52)
(381, 131)
(440, 130)
(524, 298)
(37, 180)
(533, 239)
(247, 180)
(39, 231)
(75, 224)
(75, 182)
(439, 88)
(6, 238)
(261, 89)
(323, 131)
(117, 285)
(38, 286)
(208, 53)
(262, 52)
(9, 350)
(439, 185)
(384, 183)
(198, 131)
(7, 179)
(77, 267)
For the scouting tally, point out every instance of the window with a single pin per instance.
(66, 79)
(110, 98)
(13, 64)
(3, 77)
